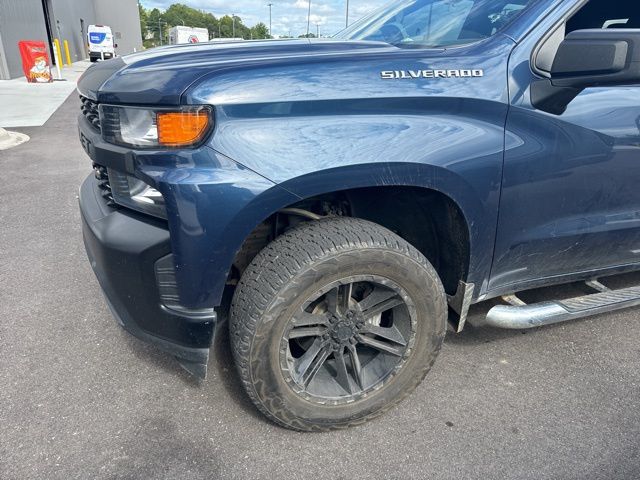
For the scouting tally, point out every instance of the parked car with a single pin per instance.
(350, 196)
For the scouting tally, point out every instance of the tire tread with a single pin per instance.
(278, 263)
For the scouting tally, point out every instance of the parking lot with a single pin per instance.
(80, 398)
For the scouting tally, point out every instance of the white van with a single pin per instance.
(100, 41)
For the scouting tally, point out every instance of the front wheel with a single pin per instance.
(334, 323)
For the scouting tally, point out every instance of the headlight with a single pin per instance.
(132, 192)
(155, 128)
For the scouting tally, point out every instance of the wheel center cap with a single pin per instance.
(343, 331)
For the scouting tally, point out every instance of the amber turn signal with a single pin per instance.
(179, 129)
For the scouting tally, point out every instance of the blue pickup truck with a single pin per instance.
(344, 202)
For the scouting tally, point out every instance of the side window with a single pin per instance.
(606, 14)
(436, 23)
(595, 14)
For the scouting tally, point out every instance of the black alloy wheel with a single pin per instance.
(347, 340)
(334, 323)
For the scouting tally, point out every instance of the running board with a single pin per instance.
(520, 315)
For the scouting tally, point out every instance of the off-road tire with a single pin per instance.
(289, 269)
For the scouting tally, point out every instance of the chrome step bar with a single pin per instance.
(519, 315)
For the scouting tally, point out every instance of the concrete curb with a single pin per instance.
(11, 139)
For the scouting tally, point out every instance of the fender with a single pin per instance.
(454, 146)
(212, 211)
(294, 132)
(480, 214)
(460, 156)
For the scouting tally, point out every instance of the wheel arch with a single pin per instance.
(438, 209)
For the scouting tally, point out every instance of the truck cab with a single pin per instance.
(100, 43)
(343, 202)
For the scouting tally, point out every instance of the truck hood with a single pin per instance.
(160, 76)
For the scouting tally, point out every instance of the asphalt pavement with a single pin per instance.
(80, 398)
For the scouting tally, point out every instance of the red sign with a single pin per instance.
(193, 39)
(35, 61)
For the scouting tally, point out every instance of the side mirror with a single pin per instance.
(588, 58)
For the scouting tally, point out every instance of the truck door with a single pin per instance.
(570, 204)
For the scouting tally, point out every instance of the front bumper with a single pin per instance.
(124, 248)
(107, 55)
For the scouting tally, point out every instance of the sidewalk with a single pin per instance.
(25, 104)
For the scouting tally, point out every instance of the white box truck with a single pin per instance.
(182, 34)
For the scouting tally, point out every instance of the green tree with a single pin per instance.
(226, 27)
(260, 30)
(156, 26)
(179, 14)
(152, 22)
(143, 21)
(211, 24)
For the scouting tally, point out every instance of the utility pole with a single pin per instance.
(308, 18)
(317, 30)
(160, 30)
(346, 22)
(233, 19)
(270, 5)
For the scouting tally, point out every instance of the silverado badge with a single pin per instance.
(457, 73)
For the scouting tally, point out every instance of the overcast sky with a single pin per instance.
(287, 15)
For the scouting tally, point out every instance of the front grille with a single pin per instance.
(103, 183)
(89, 109)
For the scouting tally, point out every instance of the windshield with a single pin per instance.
(435, 23)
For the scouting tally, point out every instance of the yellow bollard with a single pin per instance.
(66, 52)
(56, 44)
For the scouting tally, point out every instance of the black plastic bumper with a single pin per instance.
(107, 55)
(123, 248)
